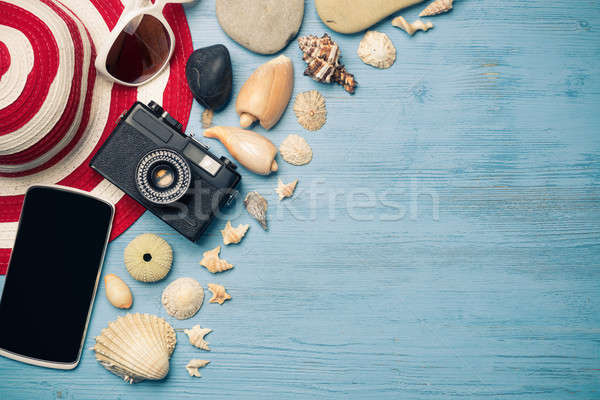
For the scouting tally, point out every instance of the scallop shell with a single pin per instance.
(310, 110)
(437, 7)
(219, 293)
(136, 347)
(148, 258)
(193, 365)
(117, 291)
(295, 150)
(196, 335)
(212, 262)
(286, 190)
(183, 298)
(418, 25)
(233, 235)
(377, 49)
(257, 206)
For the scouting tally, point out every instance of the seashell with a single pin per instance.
(310, 110)
(136, 347)
(322, 56)
(437, 7)
(252, 150)
(209, 76)
(193, 365)
(117, 291)
(183, 298)
(266, 94)
(286, 190)
(377, 49)
(148, 258)
(234, 235)
(219, 293)
(257, 206)
(295, 150)
(207, 117)
(213, 263)
(196, 335)
(418, 25)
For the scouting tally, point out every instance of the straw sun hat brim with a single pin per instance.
(47, 77)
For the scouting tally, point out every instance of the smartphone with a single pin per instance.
(52, 276)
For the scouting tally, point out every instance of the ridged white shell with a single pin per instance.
(136, 347)
(183, 298)
(196, 335)
(437, 7)
(193, 365)
(295, 150)
(148, 258)
(212, 262)
(219, 293)
(233, 235)
(285, 189)
(377, 49)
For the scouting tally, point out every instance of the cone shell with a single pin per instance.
(183, 298)
(148, 258)
(377, 49)
(136, 347)
(252, 150)
(295, 150)
(437, 7)
(117, 291)
(266, 94)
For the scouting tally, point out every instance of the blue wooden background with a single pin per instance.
(443, 243)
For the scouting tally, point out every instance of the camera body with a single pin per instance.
(149, 158)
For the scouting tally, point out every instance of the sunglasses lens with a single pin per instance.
(139, 51)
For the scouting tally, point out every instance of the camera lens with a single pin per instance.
(163, 176)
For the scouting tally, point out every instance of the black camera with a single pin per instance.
(178, 179)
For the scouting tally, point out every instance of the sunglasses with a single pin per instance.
(140, 45)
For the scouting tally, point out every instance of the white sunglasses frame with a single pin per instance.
(133, 9)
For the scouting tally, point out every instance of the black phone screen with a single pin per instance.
(53, 274)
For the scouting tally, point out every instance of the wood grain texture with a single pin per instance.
(443, 243)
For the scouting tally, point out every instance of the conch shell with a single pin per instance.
(212, 262)
(285, 189)
(437, 7)
(234, 235)
(136, 347)
(266, 94)
(377, 49)
(219, 293)
(117, 291)
(252, 150)
(193, 365)
(196, 335)
(418, 25)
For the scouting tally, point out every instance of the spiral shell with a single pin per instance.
(136, 347)
(285, 190)
(213, 263)
(193, 365)
(148, 258)
(437, 7)
(219, 293)
(183, 298)
(196, 335)
(234, 235)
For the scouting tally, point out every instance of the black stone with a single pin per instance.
(209, 76)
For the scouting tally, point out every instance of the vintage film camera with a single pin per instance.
(178, 179)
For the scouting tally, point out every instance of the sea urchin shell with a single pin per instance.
(377, 49)
(183, 298)
(310, 110)
(148, 258)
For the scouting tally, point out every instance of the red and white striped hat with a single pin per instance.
(55, 111)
